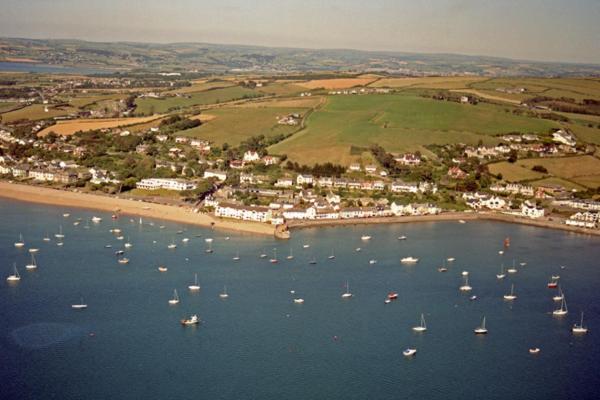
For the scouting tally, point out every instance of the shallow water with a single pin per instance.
(259, 344)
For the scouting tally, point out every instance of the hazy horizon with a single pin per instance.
(533, 30)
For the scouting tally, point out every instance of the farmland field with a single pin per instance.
(398, 123)
(336, 83)
(147, 106)
(70, 127)
(233, 124)
(36, 112)
(582, 170)
(427, 82)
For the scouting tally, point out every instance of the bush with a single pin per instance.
(539, 168)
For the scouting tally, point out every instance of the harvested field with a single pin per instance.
(67, 128)
(341, 83)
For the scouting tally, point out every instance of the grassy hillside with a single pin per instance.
(234, 124)
(160, 106)
(400, 122)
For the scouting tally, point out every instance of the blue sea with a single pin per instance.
(259, 344)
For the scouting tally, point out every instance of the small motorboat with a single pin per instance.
(185, 240)
(305, 246)
(119, 252)
(465, 273)
(66, 215)
(462, 221)
(552, 285)
(442, 269)
(450, 259)
(409, 260)
(365, 237)
(409, 352)
(162, 268)
(473, 298)
(402, 237)
(123, 260)
(208, 240)
(192, 320)
(500, 252)
(372, 261)
(555, 277)
(96, 220)
(534, 350)
(108, 246)
(298, 301)
(392, 296)
(34, 250)
(358, 249)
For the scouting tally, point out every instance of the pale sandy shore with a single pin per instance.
(449, 216)
(185, 215)
(112, 204)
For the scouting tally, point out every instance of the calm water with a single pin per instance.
(49, 69)
(258, 344)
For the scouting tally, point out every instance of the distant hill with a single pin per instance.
(218, 58)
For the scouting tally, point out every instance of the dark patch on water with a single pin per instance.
(45, 334)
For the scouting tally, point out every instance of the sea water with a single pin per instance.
(259, 344)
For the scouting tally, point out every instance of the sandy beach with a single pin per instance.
(111, 204)
(185, 215)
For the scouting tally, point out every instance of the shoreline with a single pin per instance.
(56, 197)
(448, 216)
(64, 198)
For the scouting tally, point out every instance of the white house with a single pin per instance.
(211, 173)
(251, 156)
(354, 167)
(404, 187)
(304, 179)
(561, 136)
(168, 184)
(530, 210)
(246, 213)
(284, 182)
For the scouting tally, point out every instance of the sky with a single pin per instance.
(543, 30)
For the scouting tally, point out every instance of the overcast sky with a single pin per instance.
(548, 30)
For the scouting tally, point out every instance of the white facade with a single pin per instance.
(251, 156)
(220, 175)
(531, 210)
(304, 179)
(168, 184)
(246, 213)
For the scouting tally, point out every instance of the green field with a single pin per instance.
(35, 112)
(234, 124)
(160, 106)
(580, 170)
(400, 122)
(576, 88)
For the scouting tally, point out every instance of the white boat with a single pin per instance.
(236, 257)
(365, 237)
(422, 327)
(120, 237)
(305, 246)
(59, 244)
(274, 259)
(32, 264)
(80, 306)
(116, 230)
(60, 234)
(372, 261)
(312, 261)
(123, 260)
(555, 277)
(513, 269)
(224, 295)
(465, 273)
(562, 310)
(21, 242)
(473, 298)
(512, 295)
(500, 252)
(559, 296)
(402, 237)
(175, 299)
(450, 259)
(332, 255)
(462, 221)
(195, 286)
(66, 215)
(208, 240)
(192, 320)
(185, 240)
(226, 237)
(76, 223)
(534, 350)
(15, 277)
(128, 244)
(443, 267)
(46, 238)
(298, 301)
(96, 220)
(34, 250)
(358, 249)
(172, 245)
(162, 268)
(465, 287)
(108, 246)
(409, 260)
(409, 352)
(481, 330)
(264, 255)
(290, 256)
(209, 248)
(522, 264)
(501, 275)
(347, 293)
(579, 328)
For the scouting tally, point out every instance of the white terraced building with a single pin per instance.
(168, 184)
(246, 213)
